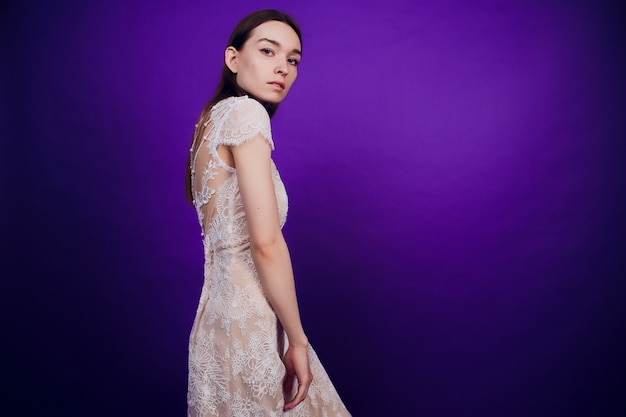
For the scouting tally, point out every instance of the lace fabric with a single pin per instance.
(236, 343)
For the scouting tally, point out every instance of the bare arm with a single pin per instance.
(271, 257)
(269, 250)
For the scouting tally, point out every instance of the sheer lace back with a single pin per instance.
(232, 122)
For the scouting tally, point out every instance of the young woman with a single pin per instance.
(248, 353)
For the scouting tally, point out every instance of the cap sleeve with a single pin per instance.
(245, 119)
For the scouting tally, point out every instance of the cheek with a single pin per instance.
(253, 70)
(247, 74)
(245, 65)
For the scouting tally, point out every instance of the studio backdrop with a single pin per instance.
(456, 182)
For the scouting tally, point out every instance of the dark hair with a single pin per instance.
(228, 86)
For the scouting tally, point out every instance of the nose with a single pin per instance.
(282, 69)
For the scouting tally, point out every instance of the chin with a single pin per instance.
(275, 101)
(272, 98)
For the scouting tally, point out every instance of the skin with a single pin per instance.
(266, 67)
(271, 55)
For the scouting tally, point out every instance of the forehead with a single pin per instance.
(277, 31)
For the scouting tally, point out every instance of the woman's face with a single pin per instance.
(267, 64)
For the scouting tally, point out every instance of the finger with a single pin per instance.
(288, 384)
(300, 396)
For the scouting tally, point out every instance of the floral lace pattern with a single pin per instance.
(236, 343)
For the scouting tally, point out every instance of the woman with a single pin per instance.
(248, 353)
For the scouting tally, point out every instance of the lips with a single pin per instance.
(278, 85)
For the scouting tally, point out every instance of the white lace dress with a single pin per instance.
(236, 343)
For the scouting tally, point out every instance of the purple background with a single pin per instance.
(457, 189)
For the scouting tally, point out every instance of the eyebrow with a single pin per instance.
(277, 44)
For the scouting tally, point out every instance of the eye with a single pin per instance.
(293, 61)
(267, 51)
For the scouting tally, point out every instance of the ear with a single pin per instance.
(230, 59)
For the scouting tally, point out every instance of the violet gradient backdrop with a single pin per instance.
(456, 179)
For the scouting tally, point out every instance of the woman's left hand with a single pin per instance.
(296, 361)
